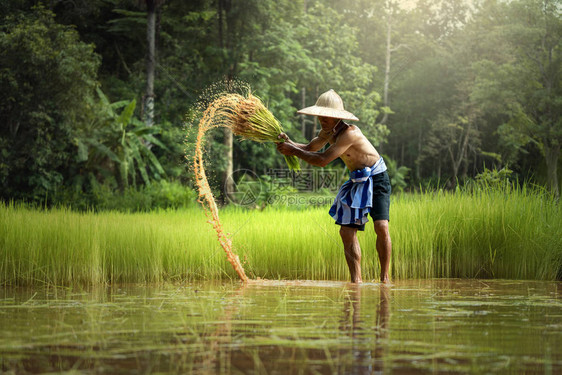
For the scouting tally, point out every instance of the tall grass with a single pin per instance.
(515, 235)
(488, 233)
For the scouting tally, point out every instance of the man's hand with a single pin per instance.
(284, 136)
(286, 148)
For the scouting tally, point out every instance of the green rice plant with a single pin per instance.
(63, 247)
(503, 234)
(249, 118)
(486, 233)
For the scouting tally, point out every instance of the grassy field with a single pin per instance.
(491, 234)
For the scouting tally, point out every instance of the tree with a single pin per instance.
(123, 25)
(525, 82)
(48, 78)
(391, 9)
(424, 82)
(331, 58)
(151, 7)
(451, 137)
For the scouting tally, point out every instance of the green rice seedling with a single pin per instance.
(249, 118)
(481, 234)
(490, 233)
(62, 247)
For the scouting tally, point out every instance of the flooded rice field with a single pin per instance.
(285, 327)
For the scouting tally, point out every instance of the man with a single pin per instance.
(366, 192)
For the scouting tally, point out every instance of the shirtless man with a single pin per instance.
(366, 192)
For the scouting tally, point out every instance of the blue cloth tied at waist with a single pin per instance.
(354, 200)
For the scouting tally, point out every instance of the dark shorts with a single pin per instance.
(381, 200)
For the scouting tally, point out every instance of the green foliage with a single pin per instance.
(498, 68)
(47, 77)
(494, 179)
(159, 195)
(398, 175)
(122, 142)
(486, 71)
(524, 81)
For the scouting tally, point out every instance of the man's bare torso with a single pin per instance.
(361, 153)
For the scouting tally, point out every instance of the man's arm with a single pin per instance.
(314, 145)
(320, 159)
(318, 142)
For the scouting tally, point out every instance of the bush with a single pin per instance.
(492, 179)
(158, 195)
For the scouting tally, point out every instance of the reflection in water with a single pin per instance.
(286, 327)
(359, 348)
(367, 357)
(218, 351)
(382, 327)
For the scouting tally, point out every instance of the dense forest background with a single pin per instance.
(97, 96)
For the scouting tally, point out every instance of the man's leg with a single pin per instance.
(352, 252)
(384, 248)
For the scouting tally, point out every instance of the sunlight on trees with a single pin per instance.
(446, 88)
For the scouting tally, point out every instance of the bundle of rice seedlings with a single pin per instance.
(251, 119)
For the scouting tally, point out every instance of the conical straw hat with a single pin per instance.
(329, 104)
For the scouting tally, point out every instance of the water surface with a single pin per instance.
(286, 327)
